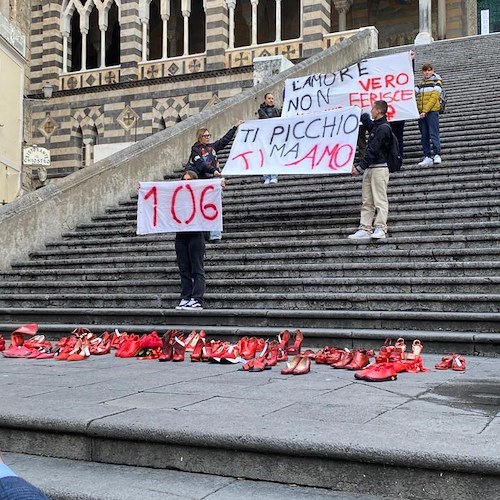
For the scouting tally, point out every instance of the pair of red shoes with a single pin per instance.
(298, 365)
(291, 342)
(380, 372)
(270, 356)
(351, 360)
(173, 346)
(250, 347)
(452, 362)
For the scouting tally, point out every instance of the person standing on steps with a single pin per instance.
(373, 166)
(268, 110)
(190, 253)
(428, 93)
(203, 159)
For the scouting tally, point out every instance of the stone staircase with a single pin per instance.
(285, 260)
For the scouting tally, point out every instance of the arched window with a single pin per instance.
(91, 34)
(266, 21)
(155, 30)
(197, 27)
(243, 23)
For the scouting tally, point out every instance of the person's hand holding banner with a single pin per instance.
(166, 207)
(318, 143)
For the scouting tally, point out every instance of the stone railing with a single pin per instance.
(244, 56)
(89, 78)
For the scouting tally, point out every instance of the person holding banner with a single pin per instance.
(203, 159)
(428, 93)
(373, 166)
(268, 110)
(190, 252)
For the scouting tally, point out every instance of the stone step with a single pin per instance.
(470, 331)
(264, 269)
(356, 253)
(436, 302)
(427, 236)
(316, 282)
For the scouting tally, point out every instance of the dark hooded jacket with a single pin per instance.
(379, 141)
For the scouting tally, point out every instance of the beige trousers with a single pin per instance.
(374, 203)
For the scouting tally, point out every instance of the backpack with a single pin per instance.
(393, 158)
(443, 99)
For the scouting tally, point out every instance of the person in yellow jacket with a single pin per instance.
(428, 93)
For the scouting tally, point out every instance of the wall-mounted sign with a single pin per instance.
(34, 155)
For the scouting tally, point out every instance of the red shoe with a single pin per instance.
(303, 366)
(400, 347)
(377, 373)
(259, 365)
(458, 364)
(197, 352)
(360, 359)
(272, 353)
(129, 347)
(291, 365)
(16, 351)
(117, 339)
(445, 363)
(81, 351)
(284, 339)
(178, 349)
(29, 329)
(2, 343)
(345, 358)
(295, 348)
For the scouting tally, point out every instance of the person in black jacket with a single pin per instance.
(373, 166)
(268, 110)
(204, 162)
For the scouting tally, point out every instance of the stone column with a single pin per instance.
(441, 19)
(217, 15)
(315, 24)
(278, 21)
(186, 12)
(254, 3)
(424, 36)
(65, 51)
(89, 144)
(165, 16)
(342, 7)
(231, 5)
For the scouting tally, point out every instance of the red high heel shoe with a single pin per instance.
(458, 364)
(303, 366)
(81, 350)
(445, 363)
(2, 343)
(295, 348)
(400, 347)
(291, 365)
(284, 339)
(179, 349)
(167, 349)
(197, 352)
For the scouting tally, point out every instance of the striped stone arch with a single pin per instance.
(170, 109)
(88, 119)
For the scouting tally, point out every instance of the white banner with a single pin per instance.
(167, 207)
(388, 78)
(317, 143)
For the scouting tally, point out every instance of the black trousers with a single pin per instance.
(190, 251)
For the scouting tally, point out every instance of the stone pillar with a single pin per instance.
(130, 40)
(315, 24)
(89, 144)
(231, 5)
(255, 4)
(52, 43)
(186, 12)
(217, 33)
(342, 7)
(424, 36)
(264, 68)
(165, 16)
(441, 19)
(278, 21)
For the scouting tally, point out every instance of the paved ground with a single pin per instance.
(437, 420)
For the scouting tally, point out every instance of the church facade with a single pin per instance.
(121, 70)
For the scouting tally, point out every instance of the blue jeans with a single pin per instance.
(429, 133)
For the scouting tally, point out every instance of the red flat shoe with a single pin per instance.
(345, 359)
(458, 364)
(360, 359)
(382, 372)
(16, 351)
(445, 363)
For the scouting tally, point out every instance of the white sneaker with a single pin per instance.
(183, 303)
(274, 180)
(193, 304)
(426, 162)
(360, 234)
(267, 181)
(378, 233)
(436, 159)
